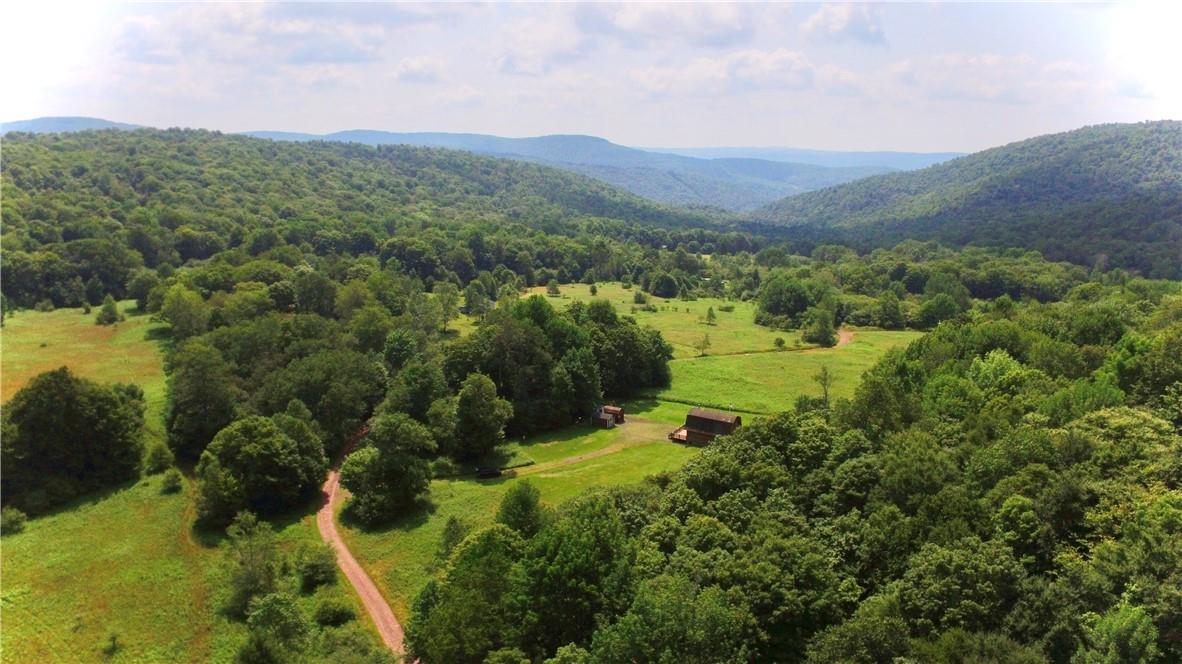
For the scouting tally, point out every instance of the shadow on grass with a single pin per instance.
(418, 514)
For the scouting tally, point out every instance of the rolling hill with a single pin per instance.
(730, 183)
(50, 125)
(740, 182)
(1107, 194)
(899, 161)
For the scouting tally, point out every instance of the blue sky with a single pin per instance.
(829, 76)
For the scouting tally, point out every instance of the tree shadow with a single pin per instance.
(416, 516)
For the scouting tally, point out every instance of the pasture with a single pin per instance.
(683, 323)
(121, 562)
(33, 342)
(770, 382)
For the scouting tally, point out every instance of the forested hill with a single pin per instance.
(731, 183)
(1104, 194)
(73, 204)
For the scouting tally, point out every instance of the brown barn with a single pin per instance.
(703, 426)
(603, 421)
(617, 413)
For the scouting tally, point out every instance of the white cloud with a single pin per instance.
(858, 22)
(419, 69)
(700, 24)
(745, 70)
(533, 46)
(1013, 79)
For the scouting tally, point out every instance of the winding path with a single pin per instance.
(375, 605)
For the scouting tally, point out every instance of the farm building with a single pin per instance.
(702, 426)
(603, 421)
(617, 413)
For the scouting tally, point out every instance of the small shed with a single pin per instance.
(702, 426)
(603, 421)
(617, 413)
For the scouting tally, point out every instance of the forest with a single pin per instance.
(1007, 488)
(1106, 195)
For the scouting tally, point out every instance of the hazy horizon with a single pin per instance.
(883, 77)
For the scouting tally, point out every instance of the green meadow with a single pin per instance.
(683, 323)
(770, 382)
(33, 342)
(124, 562)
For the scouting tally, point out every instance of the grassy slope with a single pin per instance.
(124, 561)
(34, 342)
(770, 382)
(683, 323)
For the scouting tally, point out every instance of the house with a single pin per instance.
(702, 426)
(617, 413)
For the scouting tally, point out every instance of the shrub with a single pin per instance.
(639, 298)
(779, 342)
(172, 481)
(316, 566)
(158, 459)
(333, 612)
(44, 305)
(726, 307)
(12, 520)
(109, 313)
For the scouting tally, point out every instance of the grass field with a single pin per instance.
(401, 558)
(683, 323)
(770, 382)
(124, 561)
(128, 352)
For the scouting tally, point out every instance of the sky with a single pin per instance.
(916, 77)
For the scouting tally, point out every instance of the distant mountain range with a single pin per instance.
(731, 184)
(734, 182)
(1107, 194)
(897, 161)
(60, 124)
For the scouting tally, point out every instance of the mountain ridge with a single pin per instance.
(1096, 195)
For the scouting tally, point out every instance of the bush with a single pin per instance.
(172, 481)
(333, 612)
(779, 342)
(44, 305)
(158, 459)
(639, 298)
(726, 307)
(316, 566)
(12, 520)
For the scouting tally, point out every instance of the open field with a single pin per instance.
(683, 323)
(770, 382)
(401, 558)
(123, 561)
(128, 352)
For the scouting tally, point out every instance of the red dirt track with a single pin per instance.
(375, 605)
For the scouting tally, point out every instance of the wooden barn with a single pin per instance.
(617, 413)
(702, 426)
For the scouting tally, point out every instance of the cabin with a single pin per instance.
(702, 426)
(602, 420)
(617, 413)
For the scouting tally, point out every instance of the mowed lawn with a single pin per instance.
(684, 323)
(33, 342)
(123, 561)
(771, 382)
(401, 558)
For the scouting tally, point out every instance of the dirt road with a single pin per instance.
(844, 337)
(375, 605)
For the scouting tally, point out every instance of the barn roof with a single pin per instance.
(715, 415)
